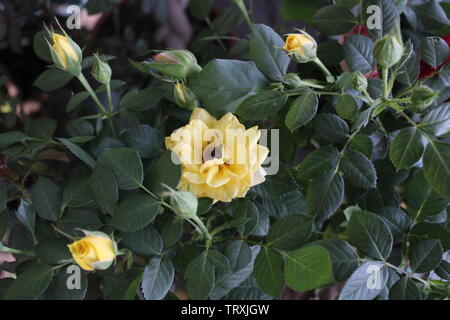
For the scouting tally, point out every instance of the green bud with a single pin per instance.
(183, 203)
(292, 80)
(354, 80)
(423, 96)
(178, 64)
(388, 51)
(101, 70)
(359, 82)
(184, 97)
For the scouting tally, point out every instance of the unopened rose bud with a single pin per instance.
(95, 251)
(66, 54)
(178, 64)
(183, 203)
(301, 47)
(101, 71)
(423, 96)
(388, 51)
(352, 80)
(184, 97)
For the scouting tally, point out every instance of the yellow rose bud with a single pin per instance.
(95, 251)
(301, 46)
(63, 47)
(220, 159)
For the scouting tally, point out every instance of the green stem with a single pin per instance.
(204, 230)
(108, 94)
(385, 73)
(326, 72)
(91, 92)
(17, 251)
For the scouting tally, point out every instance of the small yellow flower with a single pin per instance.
(220, 159)
(95, 251)
(63, 49)
(302, 46)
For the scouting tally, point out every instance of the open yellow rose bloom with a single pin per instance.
(93, 252)
(220, 159)
(63, 49)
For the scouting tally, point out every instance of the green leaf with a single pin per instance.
(330, 127)
(276, 185)
(11, 137)
(343, 257)
(325, 194)
(262, 105)
(163, 171)
(370, 234)
(319, 161)
(46, 198)
(434, 51)
(436, 162)
(104, 188)
(53, 251)
(422, 198)
(79, 152)
(40, 45)
(268, 270)
(358, 170)
(437, 121)
(126, 166)
(363, 144)
(366, 282)
(397, 220)
(333, 20)
(30, 284)
(430, 15)
(290, 232)
(141, 100)
(135, 212)
(144, 242)
(308, 268)
(200, 9)
(59, 290)
(265, 50)
(240, 258)
(146, 140)
(346, 106)
(301, 111)
(289, 203)
(389, 16)
(220, 264)
(246, 209)
(157, 279)
(409, 71)
(443, 270)
(53, 79)
(77, 219)
(227, 81)
(26, 215)
(358, 53)
(426, 255)
(75, 100)
(200, 277)
(42, 128)
(290, 10)
(404, 289)
(77, 192)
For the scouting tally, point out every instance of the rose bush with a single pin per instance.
(359, 198)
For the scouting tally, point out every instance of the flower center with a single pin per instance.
(212, 151)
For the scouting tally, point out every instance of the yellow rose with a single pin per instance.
(64, 48)
(95, 251)
(302, 46)
(220, 159)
